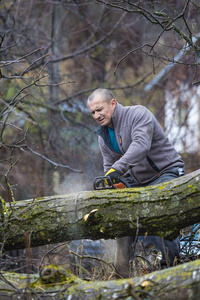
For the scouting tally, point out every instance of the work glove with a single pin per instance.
(114, 175)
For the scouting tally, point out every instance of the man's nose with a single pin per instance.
(96, 115)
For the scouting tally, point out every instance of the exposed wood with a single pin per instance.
(160, 210)
(181, 282)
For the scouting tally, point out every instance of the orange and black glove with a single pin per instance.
(114, 175)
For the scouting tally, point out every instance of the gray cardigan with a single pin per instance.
(146, 151)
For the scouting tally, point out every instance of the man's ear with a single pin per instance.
(113, 103)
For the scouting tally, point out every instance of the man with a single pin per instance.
(133, 145)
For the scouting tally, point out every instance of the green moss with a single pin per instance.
(52, 274)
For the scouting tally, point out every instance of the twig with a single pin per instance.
(50, 161)
(25, 70)
(57, 246)
(56, 84)
(22, 147)
(6, 123)
(110, 264)
(8, 63)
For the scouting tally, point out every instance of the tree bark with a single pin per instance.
(156, 210)
(180, 283)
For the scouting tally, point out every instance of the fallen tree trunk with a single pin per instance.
(181, 282)
(157, 210)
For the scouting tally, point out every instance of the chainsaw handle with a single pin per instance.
(100, 183)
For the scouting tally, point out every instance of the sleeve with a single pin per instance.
(141, 133)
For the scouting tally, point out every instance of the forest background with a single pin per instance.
(55, 53)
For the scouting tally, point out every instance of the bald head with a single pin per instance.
(104, 94)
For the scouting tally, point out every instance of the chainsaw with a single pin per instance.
(105, 182)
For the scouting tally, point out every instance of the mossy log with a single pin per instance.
(156, 210)
(181, 282)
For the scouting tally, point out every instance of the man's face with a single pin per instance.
(101, 110)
